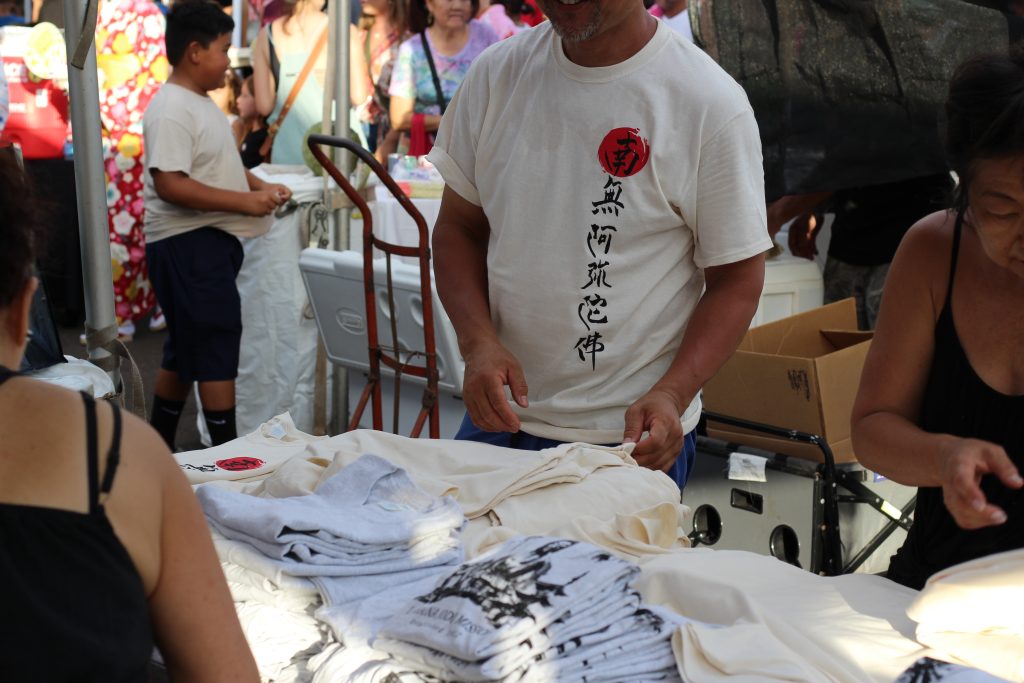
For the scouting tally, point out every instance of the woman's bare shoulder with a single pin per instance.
(934, 231)
(927, 248)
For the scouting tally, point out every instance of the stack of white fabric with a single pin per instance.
(276, 612)
(534, 609)
(526, 492)
(975, 612)
(366, 531)
(248, 458)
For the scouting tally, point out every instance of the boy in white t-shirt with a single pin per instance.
(199, 200)
(602, 232)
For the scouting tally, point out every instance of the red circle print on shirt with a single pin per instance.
(240, 464)
(623, 152)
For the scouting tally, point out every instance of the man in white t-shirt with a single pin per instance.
(602, 232)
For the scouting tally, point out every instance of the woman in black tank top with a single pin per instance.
(941, 400)
(104, 551)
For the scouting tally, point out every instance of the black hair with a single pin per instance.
(18, 227)
(199, 21)
(984, 114)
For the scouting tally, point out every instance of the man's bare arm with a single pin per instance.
(721, 318)
(460, 271)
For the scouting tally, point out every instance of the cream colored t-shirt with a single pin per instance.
(607, 191)
(185, 131)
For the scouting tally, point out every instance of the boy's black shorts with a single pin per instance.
(193, 276)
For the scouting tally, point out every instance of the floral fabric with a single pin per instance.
(132, 63)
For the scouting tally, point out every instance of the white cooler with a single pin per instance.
(334, 280)
(791, 285)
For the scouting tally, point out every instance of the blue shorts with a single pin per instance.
(679, 471)
(193, 276)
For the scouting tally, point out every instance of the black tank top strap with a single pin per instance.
(92, 451)
(957, 229)
(114, 454)
(275, 61)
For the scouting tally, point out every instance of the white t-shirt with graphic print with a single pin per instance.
(607, 191)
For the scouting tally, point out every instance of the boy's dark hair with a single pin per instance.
(984, 114)
(199, 21)
(18, 226)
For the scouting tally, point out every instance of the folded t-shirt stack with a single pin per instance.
(276, 612)
(367, 528)
(972, 612)
(535, 609)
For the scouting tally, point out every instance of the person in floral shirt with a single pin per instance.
(132, 63)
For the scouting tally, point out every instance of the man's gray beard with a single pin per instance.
(586, 33)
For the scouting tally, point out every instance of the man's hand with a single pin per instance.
(260, 202)
(802, 234)
(963, 466)
(489, 369)
(657, 412)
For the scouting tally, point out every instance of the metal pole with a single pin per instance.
(343, 8)
(238, 15)
(79, 31)
(340, 23)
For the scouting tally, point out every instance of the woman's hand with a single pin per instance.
(964, 463)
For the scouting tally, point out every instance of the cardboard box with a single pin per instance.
(802, 373)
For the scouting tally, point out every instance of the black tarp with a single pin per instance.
(847, 93)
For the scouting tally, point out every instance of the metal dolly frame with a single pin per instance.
(389, 356)
(827, 554)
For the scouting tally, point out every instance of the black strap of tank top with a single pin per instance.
(957, 228)
(96, 489)
(6, 374)
(114, 454)
(92, 451)
(275, 62)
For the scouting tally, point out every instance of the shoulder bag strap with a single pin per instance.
(433, 72)
(293, 94)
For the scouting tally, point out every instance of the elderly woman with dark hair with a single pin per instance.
(941, 401)
(432, 64)
(104, 550)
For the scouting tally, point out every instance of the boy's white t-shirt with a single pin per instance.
(607, 191)
(185, 131)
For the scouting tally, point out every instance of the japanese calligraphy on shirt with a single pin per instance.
(622, 154)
